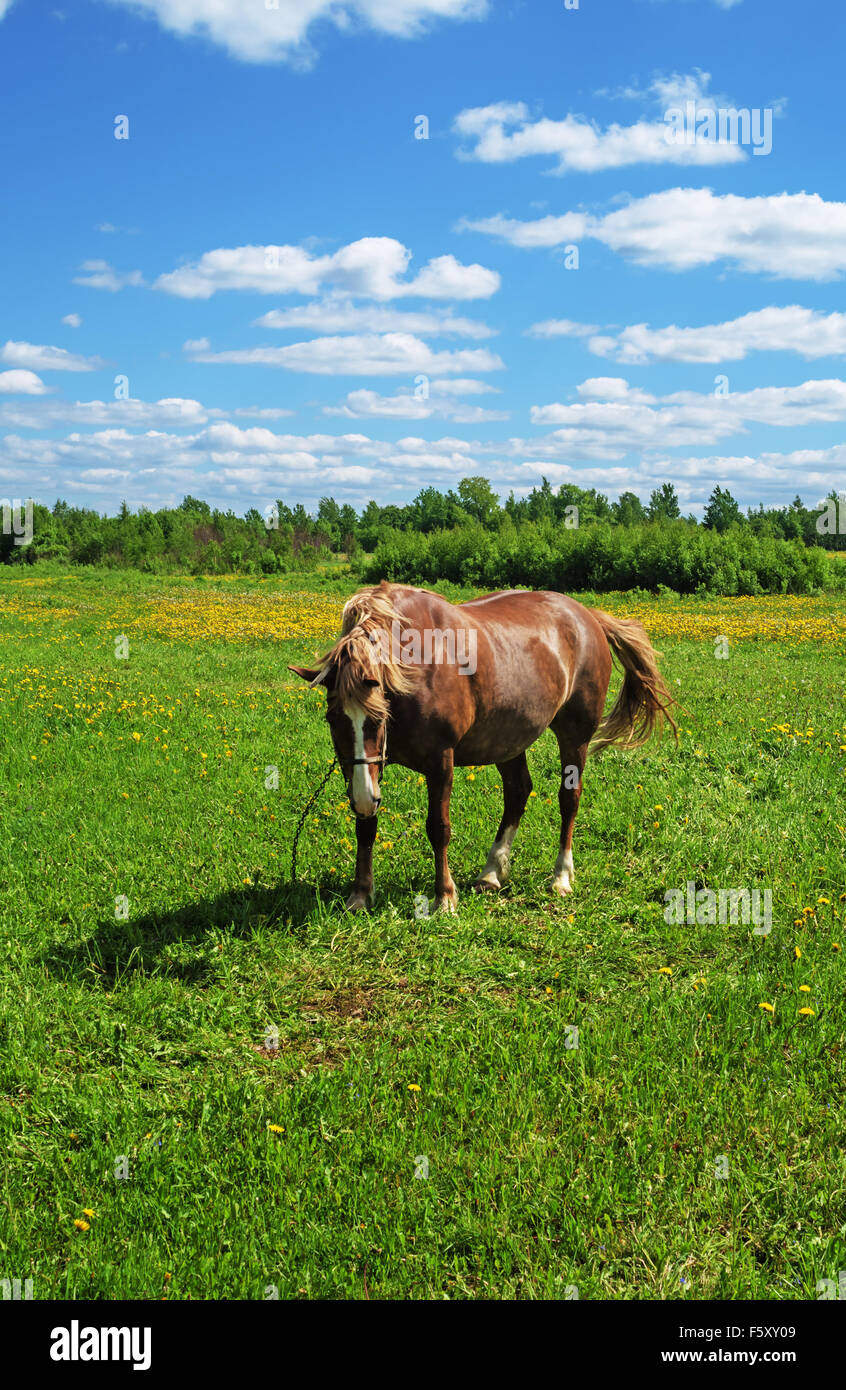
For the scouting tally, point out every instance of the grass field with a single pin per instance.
(158, 1143)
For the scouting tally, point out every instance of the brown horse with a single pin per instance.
(421, 682)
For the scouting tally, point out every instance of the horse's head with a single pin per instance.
(357, 714)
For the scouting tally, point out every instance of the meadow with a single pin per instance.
(215, 1083)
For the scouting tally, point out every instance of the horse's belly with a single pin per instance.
(497, 739)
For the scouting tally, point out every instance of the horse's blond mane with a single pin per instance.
(366, 665)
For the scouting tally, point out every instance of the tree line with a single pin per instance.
(552, 537)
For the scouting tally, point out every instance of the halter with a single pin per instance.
(379, 758)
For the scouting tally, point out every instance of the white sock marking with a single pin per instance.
(563, 880)
(499, 858)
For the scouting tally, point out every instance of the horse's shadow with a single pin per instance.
(172, 941)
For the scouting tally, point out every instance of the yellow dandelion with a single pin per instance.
(665, 970)
(769, 1008)
(809, 1013)
(804, 989)
(137, 737)
(413, 1087)
(82, 1225)
(276, 1129)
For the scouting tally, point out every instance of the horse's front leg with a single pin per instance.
(365, 834)
(438, 829)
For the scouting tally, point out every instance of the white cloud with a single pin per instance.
(385, 354)
(542, 232)
(171, 412)
(262, 412)
(613, 388)
(466, 386)
(72, 320)
(369, 268)
(561, 328)
(256, 33)
(335, 315)
(130, 414)
(46, 359)
(612, 419)
(21, 383)
(505, 131)
(446, 278)
(789, 236)
(440, 403)
(99, 275)
(808, 332)
(668, 89)
(250, 467)
(5, 6)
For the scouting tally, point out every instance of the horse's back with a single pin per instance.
(537, 651)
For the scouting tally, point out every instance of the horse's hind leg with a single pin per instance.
(516, 786)
(572, 745)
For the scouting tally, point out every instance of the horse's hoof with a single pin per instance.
(562, 886)
(489, 884)
(357, 902)
(448, 903)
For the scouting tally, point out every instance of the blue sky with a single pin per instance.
(271, 288)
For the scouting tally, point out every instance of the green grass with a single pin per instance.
(549, 1165)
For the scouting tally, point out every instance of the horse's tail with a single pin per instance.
(644, 700)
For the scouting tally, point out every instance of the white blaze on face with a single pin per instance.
(364, 788)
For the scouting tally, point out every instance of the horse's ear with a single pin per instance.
(305, 673)
(319, 675)
(316, 676)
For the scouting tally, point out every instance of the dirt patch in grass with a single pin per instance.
(343, 1003)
